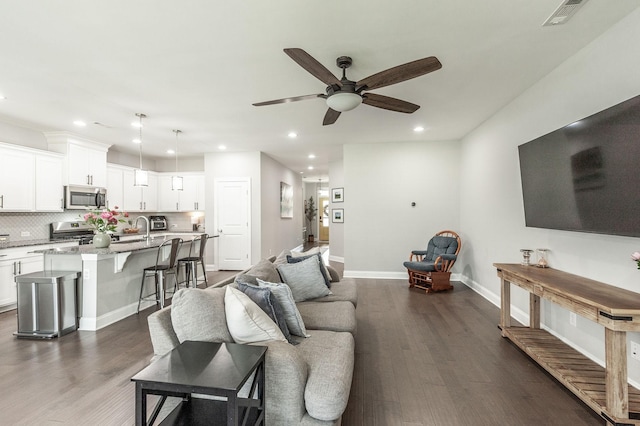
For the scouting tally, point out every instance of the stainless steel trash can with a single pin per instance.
(47, 304)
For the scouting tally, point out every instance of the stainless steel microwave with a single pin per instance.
(78, 197)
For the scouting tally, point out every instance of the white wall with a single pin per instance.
(492, 215)
(240, 164)
(380, 183)
(269, 233)
(278, 233)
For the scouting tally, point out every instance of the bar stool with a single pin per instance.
(160, 270)
(191, 262)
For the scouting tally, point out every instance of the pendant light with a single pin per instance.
(140, 176)
(176, 181)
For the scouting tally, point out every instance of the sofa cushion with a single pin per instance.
(336, 316)
(304, 279)
(330, 359)
(265, 270)
(263, 297)
(282, 292)
(345, 290)
(247, 323)
(197, 315)
(314, 250)
(323, 270)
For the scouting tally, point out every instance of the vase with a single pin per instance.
(101, 240)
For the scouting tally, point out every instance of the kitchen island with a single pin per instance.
(109, 283)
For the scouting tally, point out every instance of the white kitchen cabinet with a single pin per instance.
(167, 198)
(115, 187)
(140, 199)
(191, 198)
(85, 160)
(17, 179)
(87, 166)
(49, 194)
(12, 265)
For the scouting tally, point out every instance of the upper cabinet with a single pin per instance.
(122, 193)
(115, 187)
(85, 162)
(190, 199)
(49, 187)
(30, 179)
(17, 182)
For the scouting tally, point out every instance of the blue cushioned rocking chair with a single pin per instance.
(430, 269)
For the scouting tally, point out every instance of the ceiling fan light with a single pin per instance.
(342, 102)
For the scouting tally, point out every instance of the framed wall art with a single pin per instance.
(337, 215)
(286, 201)
(337, 195)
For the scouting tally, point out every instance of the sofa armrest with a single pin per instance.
(335, 276)
(286, 374)
(163, 337)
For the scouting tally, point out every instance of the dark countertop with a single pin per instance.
(121, 246)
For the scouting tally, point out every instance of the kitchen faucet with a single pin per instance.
(146, 220)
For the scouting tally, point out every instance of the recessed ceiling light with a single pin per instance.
(79, 123)
(301, 172)
(170, 151)
(2, 97)
(136, 141)
(292, 135)
(312, 156)
(310, 167)
(418, 129)
(222, 147)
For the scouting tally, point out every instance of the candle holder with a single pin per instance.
(543, 261)
(526, 256)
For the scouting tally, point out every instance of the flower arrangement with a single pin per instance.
(636, 258)
(106, 220)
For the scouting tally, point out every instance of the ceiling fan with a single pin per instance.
(344, 94)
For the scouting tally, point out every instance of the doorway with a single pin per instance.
(233, 223)
(323, 215)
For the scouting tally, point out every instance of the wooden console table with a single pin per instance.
(605, 390)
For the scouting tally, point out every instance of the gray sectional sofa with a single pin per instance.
(308, 382)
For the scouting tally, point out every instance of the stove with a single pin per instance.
(74, 231)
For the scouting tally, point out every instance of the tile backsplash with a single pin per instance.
(35, 226)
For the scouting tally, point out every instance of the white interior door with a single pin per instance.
(233, 219)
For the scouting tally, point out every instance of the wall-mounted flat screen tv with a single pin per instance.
(586, 176)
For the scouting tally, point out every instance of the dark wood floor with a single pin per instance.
(420, 360)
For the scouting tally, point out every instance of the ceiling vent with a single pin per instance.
(564, 12)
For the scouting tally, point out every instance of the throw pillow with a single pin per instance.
(262, 297)
(198, 315)
(305, 279)
(265, 270)
(314, 250)
(281, 258)
(292, 316)
(323, 271)
(247, 323)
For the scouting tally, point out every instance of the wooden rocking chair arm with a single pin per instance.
(445, 262)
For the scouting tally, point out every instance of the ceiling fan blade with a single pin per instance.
(392, 104)
(294, 99)
(330, 117)
(400, 73)
(312, 66)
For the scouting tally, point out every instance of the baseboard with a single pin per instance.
(338, 259)
(93, 324)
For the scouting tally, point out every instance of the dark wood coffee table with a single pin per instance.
(219, 369)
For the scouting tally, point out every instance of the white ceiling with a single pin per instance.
(198, 66)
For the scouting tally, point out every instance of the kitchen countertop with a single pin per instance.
(122, 246)
(42, 242)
